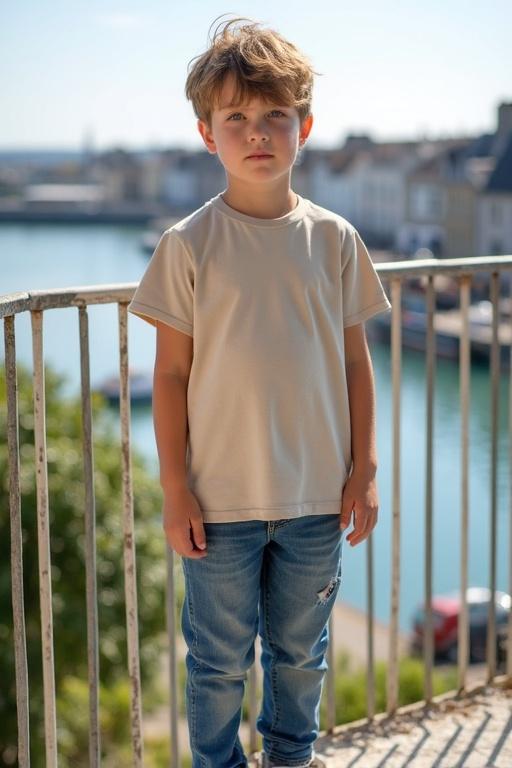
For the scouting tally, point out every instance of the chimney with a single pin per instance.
(504, 129)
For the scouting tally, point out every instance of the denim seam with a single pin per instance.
(272, 672)
(193, 707)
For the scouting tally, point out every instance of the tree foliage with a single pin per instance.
(67, 548)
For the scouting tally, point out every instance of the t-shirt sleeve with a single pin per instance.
(166, 289)
(362, 293)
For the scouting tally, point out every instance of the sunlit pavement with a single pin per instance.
(472, 731)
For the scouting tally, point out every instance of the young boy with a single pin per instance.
(263, 403)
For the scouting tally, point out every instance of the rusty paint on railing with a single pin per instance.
(330, 681)
(495, 372)
(453, 267)
(173, 657)
(43, 541)
(464, 386)
(428, 638)
(130, 581)
(57, 298)
(93, 665)
(396, 364)
(253, 706)
(18, 609)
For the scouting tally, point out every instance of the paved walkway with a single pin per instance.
(474, 731)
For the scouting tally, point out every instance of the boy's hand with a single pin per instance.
(183, 523)
(360, 495)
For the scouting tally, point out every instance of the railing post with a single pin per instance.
(464, 386)
(18, 608)
(93, 664)
(495, 372)
(130, 577)
(370, 655)
(396, 344)
(173, 661)
(428, 633)
(331, 679)
(253, 706)
(43, 541)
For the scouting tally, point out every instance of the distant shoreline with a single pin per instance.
(108, 214)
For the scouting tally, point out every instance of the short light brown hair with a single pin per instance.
(262, 62)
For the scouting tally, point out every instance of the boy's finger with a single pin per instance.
(363, 528)
(346, 513)
(198, 533)
(190, 550)
(360, 520)
(184, 547)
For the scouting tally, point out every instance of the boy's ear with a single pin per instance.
(207, 135)
(306, 127)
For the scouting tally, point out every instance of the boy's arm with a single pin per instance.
(182, 517)
(360, 491)
(361, 393)
(170, 381)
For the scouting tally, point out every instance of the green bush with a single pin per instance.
(116, 751)
(67, 550)
(351, 687)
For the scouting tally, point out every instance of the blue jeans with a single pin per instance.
(280, 578)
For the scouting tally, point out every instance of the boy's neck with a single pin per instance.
(260, 201)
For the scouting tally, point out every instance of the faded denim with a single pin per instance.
(279, 578)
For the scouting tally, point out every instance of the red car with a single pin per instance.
(445, 617)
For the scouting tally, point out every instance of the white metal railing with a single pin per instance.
(36, 302)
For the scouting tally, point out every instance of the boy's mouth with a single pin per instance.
(258, 155)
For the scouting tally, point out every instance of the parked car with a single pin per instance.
(445, 617)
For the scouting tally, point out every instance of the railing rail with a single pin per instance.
(36, 302)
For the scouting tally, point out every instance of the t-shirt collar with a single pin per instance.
(294, 215)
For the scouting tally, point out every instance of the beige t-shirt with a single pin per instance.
(266, 301)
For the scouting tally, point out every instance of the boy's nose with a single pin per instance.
(258, 132)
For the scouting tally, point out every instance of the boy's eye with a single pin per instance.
(272, 111)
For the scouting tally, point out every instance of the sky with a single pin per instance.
(111, 73)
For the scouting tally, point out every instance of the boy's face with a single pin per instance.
(237, 132)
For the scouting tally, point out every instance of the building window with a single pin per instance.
(427, 202)
(436, 246)
(496, 217)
